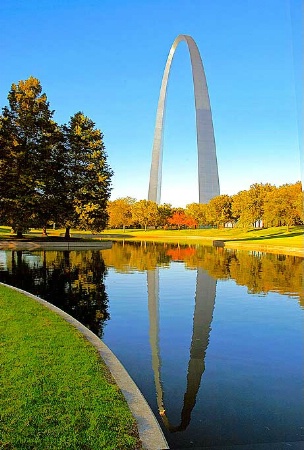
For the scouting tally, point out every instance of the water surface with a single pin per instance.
(213, 338)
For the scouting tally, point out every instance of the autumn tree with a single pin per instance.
(190, 222)
(164, 213)
(218, 210)
(300, 205)
(145, 212)
(248, 206)
(282, 205)
(198, 212)
(29, 140)
(257, 194)
(120, 212)
(178, 218)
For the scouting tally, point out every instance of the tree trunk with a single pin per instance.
(19, 233)
(67, 233)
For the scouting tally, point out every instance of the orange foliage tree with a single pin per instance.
(179, 219)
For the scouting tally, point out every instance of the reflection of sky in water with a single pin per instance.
(251, 378)
(3, 265)
(32, 260)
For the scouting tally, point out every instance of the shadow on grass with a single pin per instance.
(114, 236)
(268, 236)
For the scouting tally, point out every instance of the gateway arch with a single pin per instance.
(208, 179)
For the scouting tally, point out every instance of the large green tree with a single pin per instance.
(28, 139)
(87, 178)
(50, 173)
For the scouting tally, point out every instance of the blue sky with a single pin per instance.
(106, 58)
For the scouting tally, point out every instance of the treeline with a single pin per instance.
(263, 205)
(50, 173)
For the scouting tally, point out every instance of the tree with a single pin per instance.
(28, 139)
(218, 210)
(120, 212)
(198, 212)
(257, 195)
(180, 219)
(145, 212)
(300, 205)
(282, 205)
(88, 176)
(248, 206)
(190, 222)
(50, 173)
(164, 213)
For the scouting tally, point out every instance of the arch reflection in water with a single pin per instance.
(202, 318)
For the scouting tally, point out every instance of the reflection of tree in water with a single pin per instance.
(260, 272)
(125, 257)
(73, 281)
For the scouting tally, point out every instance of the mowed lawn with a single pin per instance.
(55, 391)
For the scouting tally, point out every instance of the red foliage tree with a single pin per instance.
(180, 219)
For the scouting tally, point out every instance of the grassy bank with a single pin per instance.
(276, 239)
(55, 391)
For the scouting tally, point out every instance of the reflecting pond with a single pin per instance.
(212, 337)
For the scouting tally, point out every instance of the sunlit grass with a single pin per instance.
(55, 391)
(5, 230)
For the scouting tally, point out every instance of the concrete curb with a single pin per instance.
(66, 245)
(149, 429)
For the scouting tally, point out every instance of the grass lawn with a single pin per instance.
(55, 391)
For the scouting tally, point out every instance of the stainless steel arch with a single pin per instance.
(208, 178)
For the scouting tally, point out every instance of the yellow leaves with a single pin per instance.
(15, 142)
(78, 130)
(85, 211)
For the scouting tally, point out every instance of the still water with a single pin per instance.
(213, 338)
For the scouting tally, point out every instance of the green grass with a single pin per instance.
(4, 230)
(55, 391)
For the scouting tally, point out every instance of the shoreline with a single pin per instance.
(32, 245)
(53, 245)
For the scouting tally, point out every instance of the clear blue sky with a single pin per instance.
(106, 58)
